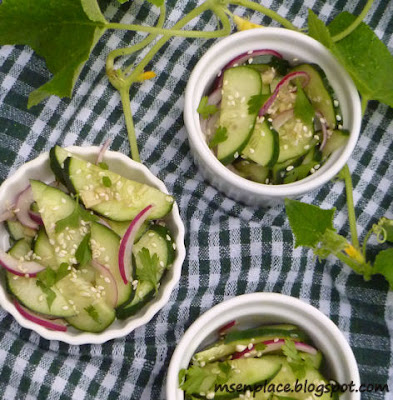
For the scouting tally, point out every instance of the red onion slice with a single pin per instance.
(324, 127)
(54, 325)
(36, 217)
(102, 151)
(28, 269)
(7, 214)
(23, 203)
(111, 292)
(208, 124)
(282, 118)
(127, 241)
(223, 330)
(241, 59)
(287, 78)
(274, 345)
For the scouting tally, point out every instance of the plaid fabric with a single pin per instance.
(231, 249)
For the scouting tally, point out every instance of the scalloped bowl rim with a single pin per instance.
(147, 313)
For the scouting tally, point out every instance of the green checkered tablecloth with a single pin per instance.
(231, 249)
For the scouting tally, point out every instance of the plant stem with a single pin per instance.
(355, 23)
(125, 100)
(350, 205)
(363, 269)
(364, 247)
(263, 10)
(364, 104)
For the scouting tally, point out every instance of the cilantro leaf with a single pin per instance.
(83, 252)
(62, 32)
(225, 371)
(256, 102)
(103, 165)
(220, 136)
(303, 108)
(296, 361)
(49, 276)
(383, 265)
(73, 220)
(366, 58)
(93, 313)
(149, 270)
(106, 181)
(49, 293)
(198, 380)
(206, 109)
(308, 222)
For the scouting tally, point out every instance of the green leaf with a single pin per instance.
(149, 270)
(308, 222)
(366, 58)
(62, 32)
(49, 293)
(303, 108)
(205, 109)
(318, 30)
(330, 242)
(225, 371)
(256, 102)
(106, 181)
(103, 165)
(383, 265)
(83, 252)
(198, 380)
(298, 363)
(220, 136)
(91, 310)
(50, 276)
(73, 220)
(385, 227)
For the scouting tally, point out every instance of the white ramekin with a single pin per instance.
(292, 45)
(265, 308)
(123, 165)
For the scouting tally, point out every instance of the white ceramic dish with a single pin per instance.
(263, 308)
(117, 162)
(292, 45)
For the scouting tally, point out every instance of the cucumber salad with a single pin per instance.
(270, 121)
(269, 362)
(86, 249)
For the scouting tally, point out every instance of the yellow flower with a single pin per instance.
(145, 76)
(243, 24)
(354, 253)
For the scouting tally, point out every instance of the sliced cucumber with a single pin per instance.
(338, 139)
(263, 146)
(105, 250)
(296, 139)
(159, 241)
(17, 231)
(253, 171)
(44, 250)
(54, 206)
(120, 227)
(57, 156)
(20, 248)
(318, 94)
(239, 85)
(93, 313)
(112, 195)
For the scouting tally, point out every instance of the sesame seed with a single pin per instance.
(306, 147)
(336, 103)
(219, 74)
(338, 117)
(78, 171)
(340, 127)
(236, 155)
(174, 246)
(290, 168)
(267, 180)
(250, 60)
(252, 151)
(65, 308)
(317, 166)
(250, 52)
(312, 170)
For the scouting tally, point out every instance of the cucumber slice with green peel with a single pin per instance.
(228, 345)
(29, 294)
(45, 250)
(54, 206)
(318, 93)
(239, 85)
(112, 195)
(17, 231)
(252, 171)
(105, 245)
(57, 156)
(156, 240)
(337, 140)
(296, 139)
(93, 314)
(279, 170)
(263, 146)
(246, 371)
(120, 227)
(300, 172)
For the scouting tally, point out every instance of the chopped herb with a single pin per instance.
(256, 102)
(91, 310)
(103, 165)
(149, 270)
(49, 293)
(298, 364)
(83, 252)
(49, 276)
(106, 181)
(303, 108)
(205, 109)
(73, 220)
(220, 136)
